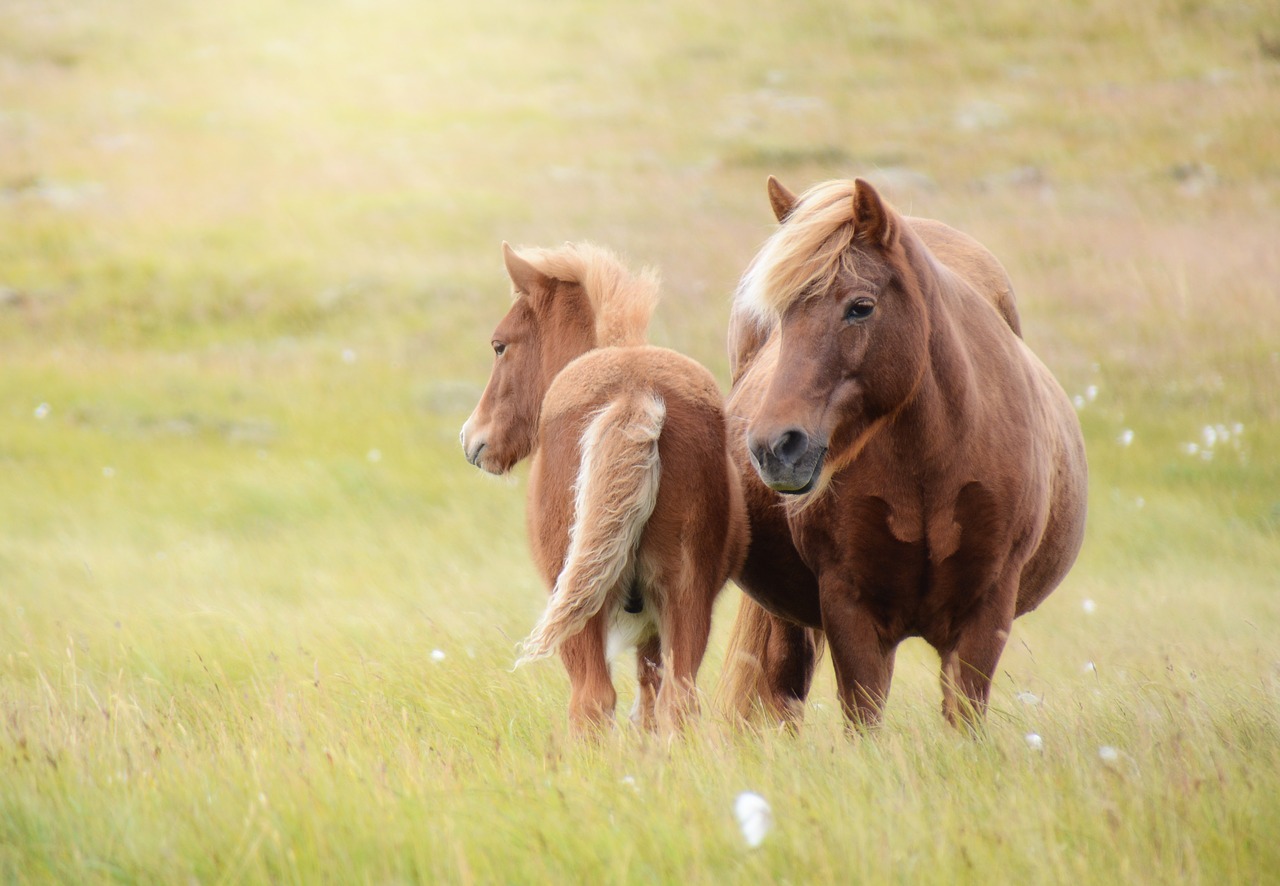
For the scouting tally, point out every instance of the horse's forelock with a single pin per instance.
(803, 257)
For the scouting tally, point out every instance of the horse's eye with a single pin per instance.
(499, 348)
(859, 309)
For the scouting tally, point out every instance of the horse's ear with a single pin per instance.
(873, 221)
(782, 200)
(524, 275)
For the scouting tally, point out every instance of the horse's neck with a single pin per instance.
(940, 412)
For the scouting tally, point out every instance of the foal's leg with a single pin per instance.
(863, 660)
(968, 667)
(685, 627)
(592, 698)
(649, 677)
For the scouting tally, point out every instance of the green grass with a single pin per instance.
(248, 267)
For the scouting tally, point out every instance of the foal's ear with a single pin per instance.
(873, 220)
(524, 275)
(782, 200)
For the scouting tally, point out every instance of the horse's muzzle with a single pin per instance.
(789, 462)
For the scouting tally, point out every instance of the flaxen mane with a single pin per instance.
(804, 257)
(622, 302)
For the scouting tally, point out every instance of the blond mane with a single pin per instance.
(621, 301)
(803, 257)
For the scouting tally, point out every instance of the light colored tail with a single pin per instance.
(617, 489)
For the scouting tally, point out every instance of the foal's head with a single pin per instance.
(566, 302)
(837, 281)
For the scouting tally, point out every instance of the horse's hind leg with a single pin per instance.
(592, 698)
(649, 677)
(768, 668)
(685, 626)
(792, 655)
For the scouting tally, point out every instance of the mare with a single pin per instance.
(910, 467)
(635, 512)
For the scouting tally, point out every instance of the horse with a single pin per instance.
(635, 513)
(911, 468)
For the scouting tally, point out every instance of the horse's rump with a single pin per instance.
(617, 487)
(631, 470)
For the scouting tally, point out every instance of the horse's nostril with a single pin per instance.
(790, 445)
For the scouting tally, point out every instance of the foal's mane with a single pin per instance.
(804, 256)
(622, 302)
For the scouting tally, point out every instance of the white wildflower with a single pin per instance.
(42, 411)
(1088, 605)
(1108, 754)
(1091, 393)
(1034, 741)
(1028, 698)
(754, 817)
(1078, 400)
(437, 655)
(1125, 438)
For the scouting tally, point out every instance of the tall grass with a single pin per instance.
(257, 616)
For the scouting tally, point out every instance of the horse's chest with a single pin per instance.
(916, 570)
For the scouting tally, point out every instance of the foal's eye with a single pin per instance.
(499, 348)
(859, 309)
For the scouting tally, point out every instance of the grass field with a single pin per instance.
(258, 616)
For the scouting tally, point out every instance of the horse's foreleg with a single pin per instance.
(967, 668)
(863, 660)
(592, 698)
(649, 678)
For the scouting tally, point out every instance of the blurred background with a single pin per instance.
(249, 263)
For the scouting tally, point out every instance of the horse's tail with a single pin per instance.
(616, 492)
(761, 644)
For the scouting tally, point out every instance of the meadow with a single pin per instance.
(258, 616)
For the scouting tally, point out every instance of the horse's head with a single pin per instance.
(541, 333)
(837, 283)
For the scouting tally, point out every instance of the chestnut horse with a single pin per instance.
(635, 512)
(910, 467)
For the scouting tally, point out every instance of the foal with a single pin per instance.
(635, 513)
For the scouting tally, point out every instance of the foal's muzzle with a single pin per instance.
(788, 461)
(473, 444)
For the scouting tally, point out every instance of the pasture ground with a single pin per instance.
(257, 615)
